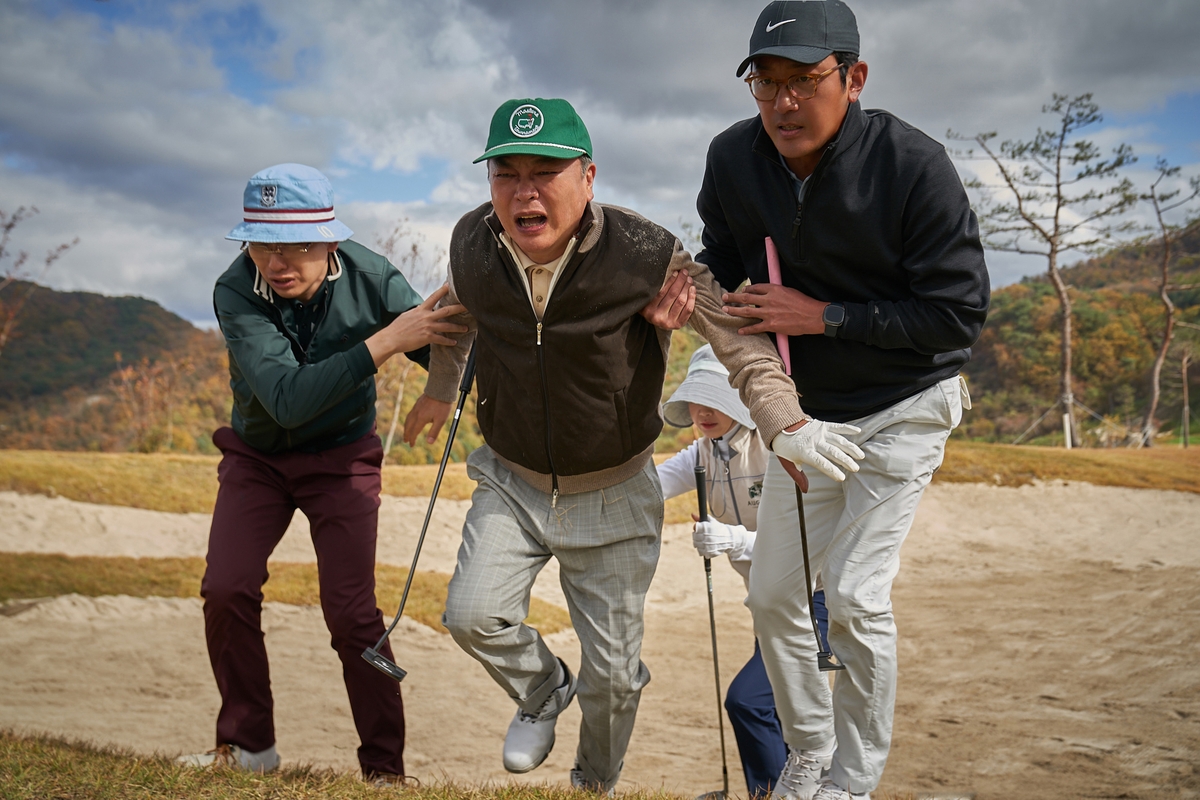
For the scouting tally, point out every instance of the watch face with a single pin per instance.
(834, 314)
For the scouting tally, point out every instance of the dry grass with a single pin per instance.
(189, 483)
(1167, 467)
(41, 767)
(156, 482)
(30, 575)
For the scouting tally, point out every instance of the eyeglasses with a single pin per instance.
(802, 87)
(284, 251)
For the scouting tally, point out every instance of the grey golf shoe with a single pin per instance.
(578, 781)
(828, 790)
(234, 757)
(801, 775)
(530, 737)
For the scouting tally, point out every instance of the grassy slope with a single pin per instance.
(32, 575)
(37, 768)
(189, 483)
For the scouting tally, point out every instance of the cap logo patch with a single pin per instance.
(773, 25)
(324, 231)
(526, 121)
(269, 194)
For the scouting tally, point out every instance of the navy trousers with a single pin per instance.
(751, 708)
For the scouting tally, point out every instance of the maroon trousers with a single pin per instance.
(338, 490)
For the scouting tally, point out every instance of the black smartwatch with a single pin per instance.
(833, 316)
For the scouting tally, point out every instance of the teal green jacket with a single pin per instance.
(286, 398)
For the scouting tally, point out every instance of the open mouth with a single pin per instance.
(531, 221)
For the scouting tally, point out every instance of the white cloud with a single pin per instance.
(135, 131)
(126, 247)
(139, 111)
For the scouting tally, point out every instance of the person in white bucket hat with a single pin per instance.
(735, 460)
(308, 317)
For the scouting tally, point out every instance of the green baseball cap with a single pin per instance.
(537, 127)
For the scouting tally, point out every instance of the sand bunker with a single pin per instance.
(1049, 649)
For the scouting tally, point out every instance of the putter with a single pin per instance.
(372, 654)
(702, 497)
(825, 660)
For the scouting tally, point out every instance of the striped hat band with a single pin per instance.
(288, 216)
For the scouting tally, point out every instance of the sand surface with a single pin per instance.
(1049, 646)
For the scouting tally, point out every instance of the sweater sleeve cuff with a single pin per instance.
(445, 371)
(772, 418)
(857, 326)
(362, 366)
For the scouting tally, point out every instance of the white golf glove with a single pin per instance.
(821, 445)
(711, 538)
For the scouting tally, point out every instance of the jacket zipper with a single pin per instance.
(810, 184)
(296, 342)
(546, 405)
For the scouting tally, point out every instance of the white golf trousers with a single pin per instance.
(855, 530)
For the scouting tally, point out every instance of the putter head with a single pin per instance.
(714, 795)
(381, 662)
(825, 662)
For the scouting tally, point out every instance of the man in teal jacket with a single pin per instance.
(308, 318)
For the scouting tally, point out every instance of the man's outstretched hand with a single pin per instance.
(426, 411)
(672, 307)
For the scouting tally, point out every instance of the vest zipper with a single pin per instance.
(737, 512)
(546, 404)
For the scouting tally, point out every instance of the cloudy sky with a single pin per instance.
(134, 124)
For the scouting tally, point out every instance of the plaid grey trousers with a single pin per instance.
(607, 544)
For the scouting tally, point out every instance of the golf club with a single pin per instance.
(825, 661)
(372, 654)
(702, 497)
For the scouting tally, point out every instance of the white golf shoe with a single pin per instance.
(230, 755)
(802, 772)
(530, 737)
(828, 790)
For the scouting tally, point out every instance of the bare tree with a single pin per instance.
(425, 269)
(1059, 195)
(1164, 202)
(14, 270)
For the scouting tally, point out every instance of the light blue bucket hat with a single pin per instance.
(706, 384)
(289, 203)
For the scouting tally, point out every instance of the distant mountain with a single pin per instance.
(70, 339)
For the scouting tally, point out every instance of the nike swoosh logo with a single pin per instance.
(771, 27)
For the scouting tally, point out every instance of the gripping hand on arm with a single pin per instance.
(822, 445)
(424, 324)
(672, 307)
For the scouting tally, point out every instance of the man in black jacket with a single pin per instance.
(881, 291)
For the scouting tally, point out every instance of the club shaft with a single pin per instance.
(463, 390)
(702, 502)
(808, 583)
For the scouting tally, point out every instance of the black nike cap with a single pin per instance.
(806, 31)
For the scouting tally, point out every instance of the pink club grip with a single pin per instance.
(781, 340)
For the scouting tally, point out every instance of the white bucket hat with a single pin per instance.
(706, 384)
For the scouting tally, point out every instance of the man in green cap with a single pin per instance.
(569, 377)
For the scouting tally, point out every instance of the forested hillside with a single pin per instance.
(1118, 325)
(70, 339)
